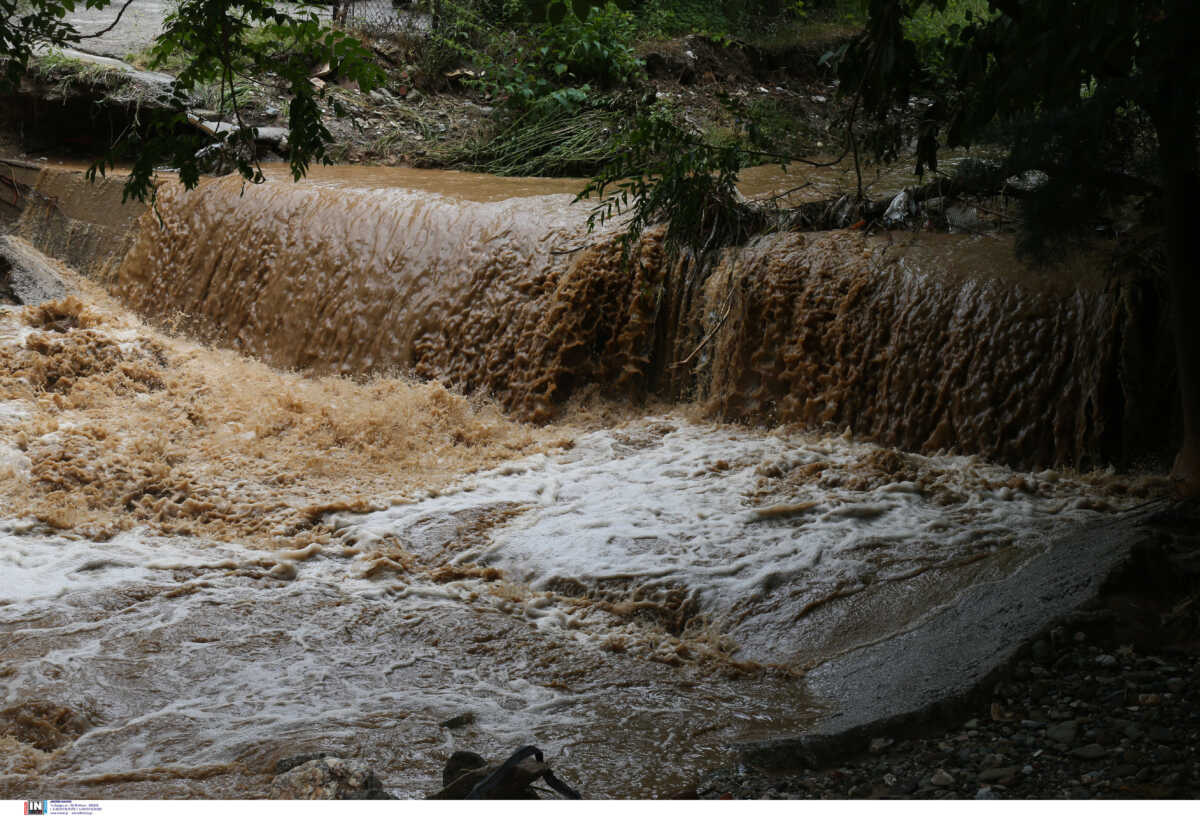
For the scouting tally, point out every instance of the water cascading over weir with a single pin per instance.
(929, 343)
(322, 564)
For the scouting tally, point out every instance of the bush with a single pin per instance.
(933, 31)
(562, 62)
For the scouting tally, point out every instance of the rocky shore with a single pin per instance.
(1106, 705)
(1086, 722)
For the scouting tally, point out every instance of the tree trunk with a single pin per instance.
(1174, 118)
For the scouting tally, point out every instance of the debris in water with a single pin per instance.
(469, 776)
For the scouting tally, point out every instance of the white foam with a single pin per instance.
(36, 567)
(190, 662)
(683, 509)
(196, 653)
(14, 412)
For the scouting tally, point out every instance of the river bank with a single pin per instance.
(1103, 706)
(1089, 720)
(429, 112)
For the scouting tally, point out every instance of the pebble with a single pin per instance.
(1042, 651)
(880, 744)
(1063, 733)
(1106, 660)
(1091, 751)
(999, 774)
(941, 778)
(1160, 733)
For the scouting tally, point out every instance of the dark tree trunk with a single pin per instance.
(1174, 115)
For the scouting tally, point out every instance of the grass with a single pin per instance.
(66, 77)
(540, 145)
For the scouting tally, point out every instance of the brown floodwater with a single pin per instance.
(334, 529)
(216, 565)
(923, 340)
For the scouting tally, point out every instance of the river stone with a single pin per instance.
(461, 721)
(941, 778)
(285, 765)
(1092, 751)
(328, 778)
(1002, 775)
(459, 763)
(1064, 732)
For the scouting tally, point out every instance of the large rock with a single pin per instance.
(328, 778)
(26, 276)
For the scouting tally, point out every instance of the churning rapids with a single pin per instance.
(208, 564)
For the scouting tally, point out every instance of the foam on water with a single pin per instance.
(175, 658)
(735, 527)
(191, 598)
(601, 602)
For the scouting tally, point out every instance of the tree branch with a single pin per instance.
(110, 27)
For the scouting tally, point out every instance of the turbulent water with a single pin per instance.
(180, 611)
(925, 341)
(208, 564)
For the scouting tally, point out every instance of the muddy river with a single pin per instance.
(274, 489)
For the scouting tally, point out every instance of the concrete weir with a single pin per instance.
(917, 679)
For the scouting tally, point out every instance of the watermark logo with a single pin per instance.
(33, 808)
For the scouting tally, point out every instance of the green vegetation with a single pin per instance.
(65, 77)
(562, 83)
(662, 172)
(933, 30)
(541, 144)
(563, 62)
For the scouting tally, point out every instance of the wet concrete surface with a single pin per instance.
(140, 23)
